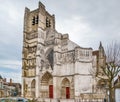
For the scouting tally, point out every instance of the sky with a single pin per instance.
(86, 21)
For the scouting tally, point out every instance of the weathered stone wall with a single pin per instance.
(51, 58)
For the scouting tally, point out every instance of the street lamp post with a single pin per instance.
(107, 93)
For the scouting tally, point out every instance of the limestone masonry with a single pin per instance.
(54, 67)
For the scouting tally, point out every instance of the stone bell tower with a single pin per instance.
(35, 24)
(53, 66)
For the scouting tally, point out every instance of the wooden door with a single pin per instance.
(50, 91)
(67, 92)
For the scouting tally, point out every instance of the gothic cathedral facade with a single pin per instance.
(52, 65)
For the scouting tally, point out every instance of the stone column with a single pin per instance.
(22, 91)
(55, 87)
(37, 86)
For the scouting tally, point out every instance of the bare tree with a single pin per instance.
(112, 68)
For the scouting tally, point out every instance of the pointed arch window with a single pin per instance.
(50, 58)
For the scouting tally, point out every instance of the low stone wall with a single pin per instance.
(71, 100)
(56, 100)
(87, 97)
(67, 100)
(92, 96)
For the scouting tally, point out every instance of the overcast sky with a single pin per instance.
(86, 21)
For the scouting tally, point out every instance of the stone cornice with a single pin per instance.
(72, 75)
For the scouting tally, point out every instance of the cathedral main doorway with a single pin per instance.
(47, 86)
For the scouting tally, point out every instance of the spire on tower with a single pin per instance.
(100, 46)
(101, 49)
(1, 77)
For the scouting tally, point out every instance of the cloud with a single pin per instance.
(10, 31)
(10, 64)
(78, 29)
(100, 18)
(11, 69)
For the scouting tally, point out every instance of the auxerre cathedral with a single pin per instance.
(53, 66)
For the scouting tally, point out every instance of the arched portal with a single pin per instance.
(47, 86)
(65, 90)
(33, 88)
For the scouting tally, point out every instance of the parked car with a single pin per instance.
(13, 99)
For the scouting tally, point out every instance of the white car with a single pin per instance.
(13, 99)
